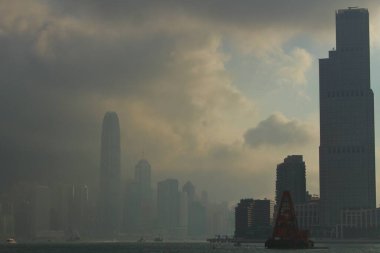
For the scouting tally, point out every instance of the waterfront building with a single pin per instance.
(243, 218)
(308, 215)
(253, 218)
(262, 215)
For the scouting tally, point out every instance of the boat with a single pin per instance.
(10, 241)
(286, 234)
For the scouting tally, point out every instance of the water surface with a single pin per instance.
(174, 248)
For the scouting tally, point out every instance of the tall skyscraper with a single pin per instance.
(291, 176)
(109, 189)
(347, 149)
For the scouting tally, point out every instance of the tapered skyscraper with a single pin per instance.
(347, 149)
(109, 208)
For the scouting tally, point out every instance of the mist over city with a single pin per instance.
(188, 120)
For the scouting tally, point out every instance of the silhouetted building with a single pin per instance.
(168, 205)
(347, 149)
(109, 189)
(262, 215)
(291, 176)
(243, 218)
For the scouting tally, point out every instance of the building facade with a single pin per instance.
(262, 215)
(253, 218)
(358, 223)
(347, 150)
(243, 218)
(308, 215)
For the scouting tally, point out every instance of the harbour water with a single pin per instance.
(174, 248)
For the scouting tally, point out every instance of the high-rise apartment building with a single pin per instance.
(291, 176)
(243, 218)
(253, 218)
(262, 215)
(109, 206)
(347, 149)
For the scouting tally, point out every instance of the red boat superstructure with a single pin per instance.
(285, 232)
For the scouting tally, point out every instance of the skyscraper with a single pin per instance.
(109, 189)
(347, 150)
(290, 176)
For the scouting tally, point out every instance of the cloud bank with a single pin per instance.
(277, 130)
(167, 68)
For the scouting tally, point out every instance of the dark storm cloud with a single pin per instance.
(296, 13)
(277, 130)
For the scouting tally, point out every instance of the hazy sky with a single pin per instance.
(216, 92)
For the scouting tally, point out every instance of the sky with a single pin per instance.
(216, 92)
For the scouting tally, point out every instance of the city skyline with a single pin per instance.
(219, 99)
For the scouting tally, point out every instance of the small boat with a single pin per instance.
(10, 241)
